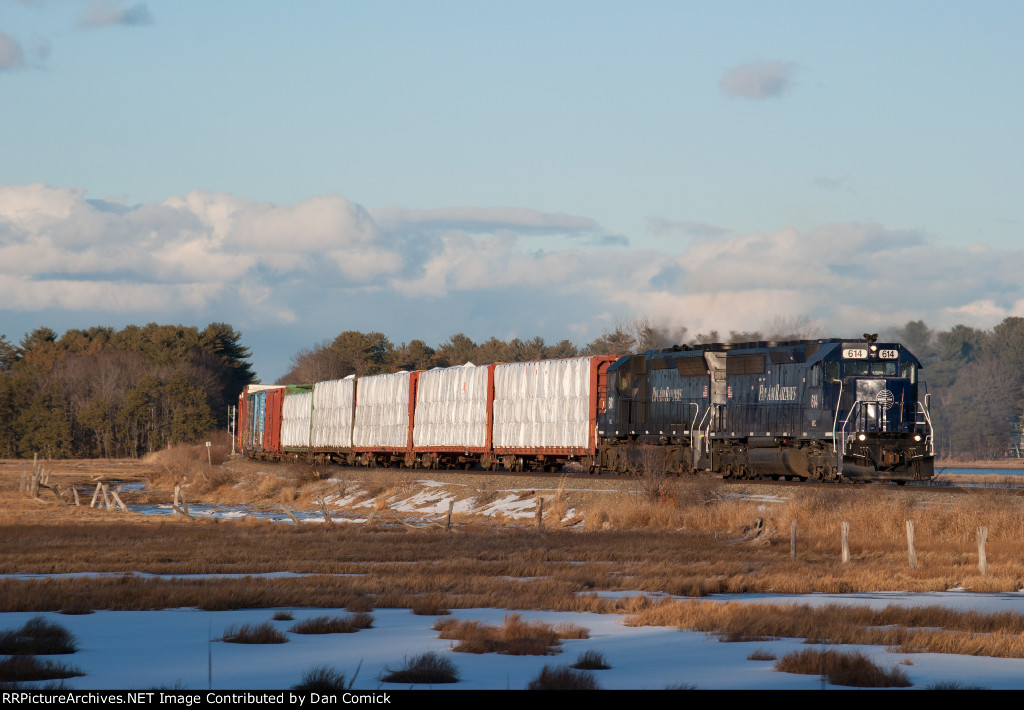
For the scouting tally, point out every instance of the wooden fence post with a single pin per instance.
(451, 505)
(792, 540)
(323, 509)
(540, 513)
(118, 502)
(846, 542)
(982, 559)
(911, 552)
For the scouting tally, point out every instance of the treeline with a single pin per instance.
(117, 393)
(975, 376)
(357, 353)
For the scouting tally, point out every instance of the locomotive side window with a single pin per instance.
(832, 371)
(624, 379)
(909, 370)
(815, 375)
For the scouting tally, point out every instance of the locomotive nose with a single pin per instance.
(883, 404)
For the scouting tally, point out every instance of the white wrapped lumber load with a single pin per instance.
(542, 404)
(333, 413)
(451, 407)
(295, 417)
(382, 411)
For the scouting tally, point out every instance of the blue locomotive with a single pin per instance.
(825, 409)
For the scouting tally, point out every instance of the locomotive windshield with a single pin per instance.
(881, 369)
(887, 368)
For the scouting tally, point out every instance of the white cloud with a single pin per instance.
(329, 258)
(758, 80)
(11, 55)
(703, 230)
(101, 13)
(484, 219)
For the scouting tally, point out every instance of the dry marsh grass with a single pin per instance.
(591, 661)
(927, 629)
(514, 638)
(431, 605)
(427, 668)
(851, 669)
(18, 669)
(563, 678)
(683, 536)
(37, 636)
(334, 624)
(323, 678)
(253, 633)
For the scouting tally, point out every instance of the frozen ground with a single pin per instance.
(147, 649)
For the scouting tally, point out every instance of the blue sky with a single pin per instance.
(298, 169)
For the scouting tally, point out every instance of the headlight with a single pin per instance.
(917, 437)
(862, 437)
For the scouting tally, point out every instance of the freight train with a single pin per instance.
(827, 409)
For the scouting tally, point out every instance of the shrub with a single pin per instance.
(334, 624)
(322, 678)
(563, 678)
(429, 667)
(762, 654)
(591, 661)
(25, 668)
(849, 669)
(37, 636)
(283, 616)
(253, 633)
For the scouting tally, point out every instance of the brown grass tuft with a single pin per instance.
(563, 678)
(253, 633)
(334, 624)
(37, 636)
(18, 669)
(852, 669)
(427, 668)
(322, 678)
(591, 661)
(515, 637)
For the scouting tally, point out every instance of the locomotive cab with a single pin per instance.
(881, 426)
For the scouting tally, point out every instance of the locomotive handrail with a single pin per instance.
(853, 408)
(707, 413)
(835, 420)
(693, 425)
(930, 437)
